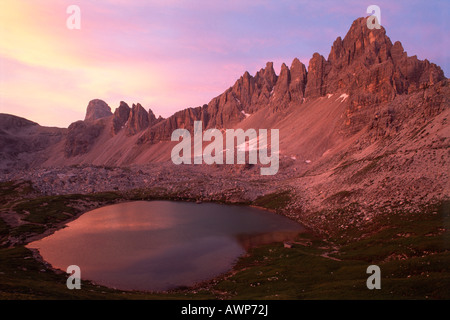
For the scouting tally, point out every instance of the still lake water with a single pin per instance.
(160, 245)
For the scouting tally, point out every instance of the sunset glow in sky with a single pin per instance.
(172, 54)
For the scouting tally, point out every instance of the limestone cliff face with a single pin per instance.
(246, 96)
(364, 69)
(138, 120)
(368, 67)
(297, 83)
(97, 109)
(317, 70)
(133, 120)
(152, 120)
(81, 136)
(281, 95)
(121, 115)
(162, 129)
(364, 66)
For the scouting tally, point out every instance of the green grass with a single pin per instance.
(43, 212)
(401, 233)
(51, 210)
(27, 229)
(412, 267)
(412, 250)
(274, 272)
(13, 188)
(274, 201)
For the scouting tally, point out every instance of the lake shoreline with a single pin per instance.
(412, 263)
(249, 240)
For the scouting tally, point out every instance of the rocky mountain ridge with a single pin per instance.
(365, 65)
(364, 72)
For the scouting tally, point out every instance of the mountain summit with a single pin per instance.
(369, 67)
(97, 109)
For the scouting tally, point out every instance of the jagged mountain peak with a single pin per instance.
(363, 65)
(97, 109)
(360, 40)
(368, 67)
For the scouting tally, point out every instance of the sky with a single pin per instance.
(172, 54)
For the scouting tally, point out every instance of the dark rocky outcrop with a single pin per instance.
(9, 121)
(81, 136)
(121, 115)
(368, 67)
(317, 70)
(152, 120)
(97, 109)
(138, 120)
(22, 139)
(297, 83)
(247, 95)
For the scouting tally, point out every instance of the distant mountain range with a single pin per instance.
(368, 95)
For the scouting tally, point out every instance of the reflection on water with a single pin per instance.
(248, 241)
(160, 245)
